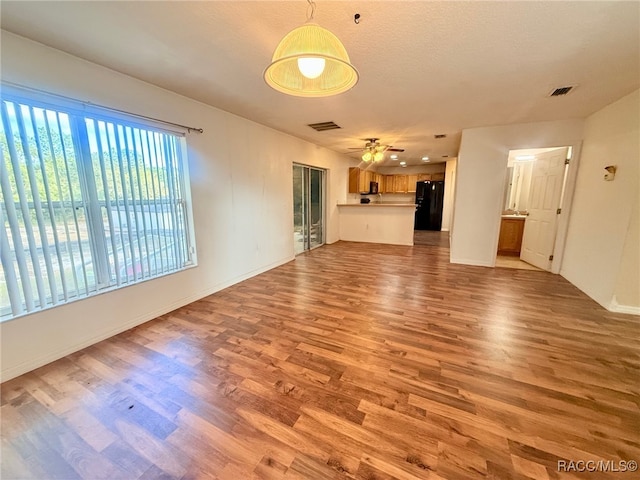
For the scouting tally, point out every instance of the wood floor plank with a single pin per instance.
(353, 361)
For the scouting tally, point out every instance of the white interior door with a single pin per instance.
(540, 226)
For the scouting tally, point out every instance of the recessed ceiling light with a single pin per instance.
(394, 157)
(403, 164)
(425, 159)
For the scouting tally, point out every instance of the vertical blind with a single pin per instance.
(88, 203)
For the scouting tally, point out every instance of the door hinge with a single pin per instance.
(558, 211)
(567, 161)
(550, 257)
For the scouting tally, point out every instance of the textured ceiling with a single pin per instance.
(425, 67)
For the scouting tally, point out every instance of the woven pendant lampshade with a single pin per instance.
(320, 55)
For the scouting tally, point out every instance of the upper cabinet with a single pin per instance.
(412, 180)
(399, 184)
(360, 181)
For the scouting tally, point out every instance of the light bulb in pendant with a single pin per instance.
(311, 67)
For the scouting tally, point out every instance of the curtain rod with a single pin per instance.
(91, 104)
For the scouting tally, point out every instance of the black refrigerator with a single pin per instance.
(429, 201)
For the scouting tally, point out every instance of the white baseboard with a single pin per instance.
(475, 263)
(32, 364)
(614, 306)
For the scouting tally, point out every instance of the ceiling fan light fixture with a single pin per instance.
(367, 156)
(310, 61)
(378, 156)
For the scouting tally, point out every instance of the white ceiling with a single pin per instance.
(425, 67)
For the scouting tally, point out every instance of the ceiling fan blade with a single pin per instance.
(355, 148)
(395, 149)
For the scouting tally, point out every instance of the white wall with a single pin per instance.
(377, 224)
(449, 192)
(481, 176)
(602, 248)
(241, 186)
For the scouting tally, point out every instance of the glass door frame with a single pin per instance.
(307, 207)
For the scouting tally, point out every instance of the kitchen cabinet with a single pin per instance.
(411, 183)
(354, 180)
(510, 241)
(359, 180)
(389, 184)
(366, 177)
(400, 184)
(378, 178)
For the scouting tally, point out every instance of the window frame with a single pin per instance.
(79, 115)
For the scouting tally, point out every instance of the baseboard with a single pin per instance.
(32, 364)
(475, 263)
(614, 306)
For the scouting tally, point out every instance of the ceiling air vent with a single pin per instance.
(322, 126)
(440, 135)
(561, 91)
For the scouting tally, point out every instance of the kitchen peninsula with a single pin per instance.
(390, 223)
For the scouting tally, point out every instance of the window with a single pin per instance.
(90, 201)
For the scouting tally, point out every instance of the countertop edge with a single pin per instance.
(376, 204)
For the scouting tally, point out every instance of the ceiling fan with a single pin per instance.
(374, 151)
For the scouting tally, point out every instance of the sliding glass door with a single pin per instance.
(308, 207)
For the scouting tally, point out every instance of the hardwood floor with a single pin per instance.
(431, 238)
(353, 361)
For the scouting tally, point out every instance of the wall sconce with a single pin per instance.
(610, 173)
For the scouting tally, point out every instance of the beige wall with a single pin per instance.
(602, 249)
(241, 187)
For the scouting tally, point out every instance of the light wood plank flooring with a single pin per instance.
(353, 361)
(506, 261)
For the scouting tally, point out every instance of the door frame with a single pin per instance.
(565, 216)
(323, 203)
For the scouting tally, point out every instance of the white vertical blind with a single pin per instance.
(88, 203)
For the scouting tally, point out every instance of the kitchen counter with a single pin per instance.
(381, 204)
(390, 223)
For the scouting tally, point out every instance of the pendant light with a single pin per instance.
(310, 61)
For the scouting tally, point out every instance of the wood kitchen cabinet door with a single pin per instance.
(389, 184)
(422, 177)
(510, 241)
(437, 176)
(411, 183)
(400, 183)
(366, 177)
(354, 180)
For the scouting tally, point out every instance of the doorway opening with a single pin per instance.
(534, 194)
(308, 207)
